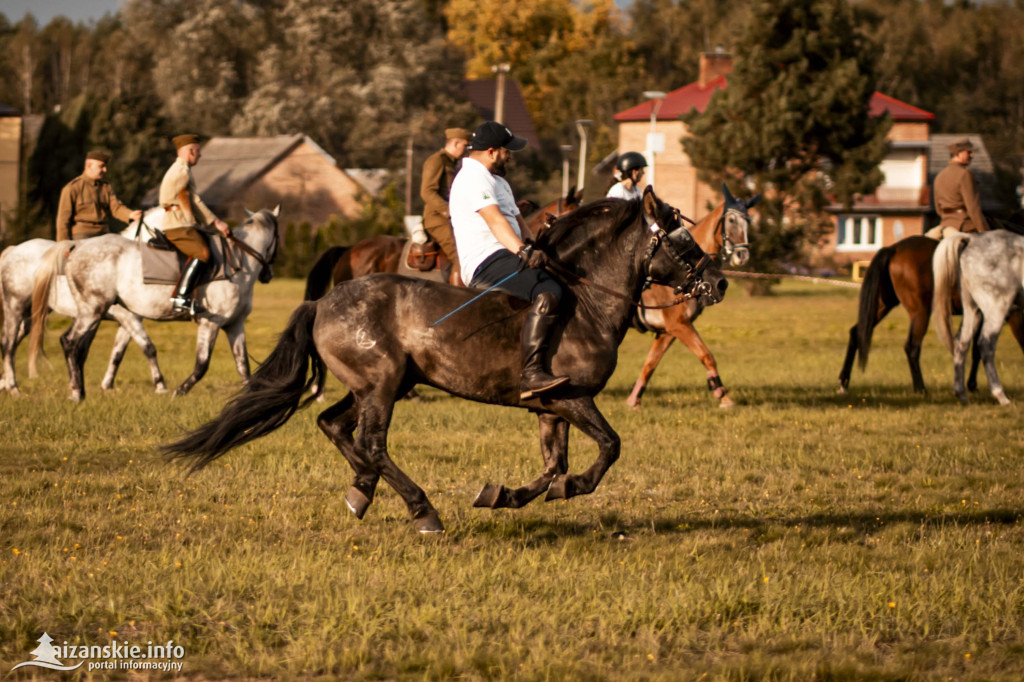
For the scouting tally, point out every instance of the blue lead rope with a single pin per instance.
(474, 299)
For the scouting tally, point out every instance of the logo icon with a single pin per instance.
(46, 656)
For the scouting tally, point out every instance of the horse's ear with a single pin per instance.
(752, 201)
(652, 205)
(248, 213)
(729, 198)
(277, 211)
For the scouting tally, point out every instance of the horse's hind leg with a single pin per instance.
(14, 330)
(131, 329)
(338, 422)
(918, 328)
(584, 415)
(75, 342)
(987, 339)
(657, 351)
(554, 445)
(375, 410)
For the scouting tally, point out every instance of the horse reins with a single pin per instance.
(652, 247)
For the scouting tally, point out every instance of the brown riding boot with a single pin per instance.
(536, 329)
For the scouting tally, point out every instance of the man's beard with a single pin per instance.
(499, 169)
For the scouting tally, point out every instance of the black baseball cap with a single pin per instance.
(493, 135)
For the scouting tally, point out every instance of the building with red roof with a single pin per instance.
(897, 208)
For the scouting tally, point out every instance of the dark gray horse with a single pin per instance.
(991, 270)
(374, 333)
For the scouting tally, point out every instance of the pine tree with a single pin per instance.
(45, 652)
(794, 121)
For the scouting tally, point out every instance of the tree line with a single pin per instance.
(362, 78)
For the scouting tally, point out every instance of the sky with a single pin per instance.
(44, 10)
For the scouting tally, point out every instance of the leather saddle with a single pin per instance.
(162, 263)
(424, 257)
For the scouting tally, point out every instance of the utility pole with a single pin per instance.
(566, 148)
(581, 128)
(408, 177)
(499, 91)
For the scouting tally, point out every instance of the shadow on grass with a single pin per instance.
(866, 395)
(538, 531)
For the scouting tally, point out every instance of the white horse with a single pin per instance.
(108, 269)
(991, 270)
(18, 265)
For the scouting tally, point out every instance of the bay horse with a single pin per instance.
(374, 333)
(382, 253)
(901, 274)
(990, 267)
(106, 270)
(722, 234)
(18, 265)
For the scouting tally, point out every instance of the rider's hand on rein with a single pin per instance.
(532, 258)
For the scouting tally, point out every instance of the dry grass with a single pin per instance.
(803, 535)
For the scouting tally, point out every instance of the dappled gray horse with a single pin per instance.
(107, 270)
(991, 270)
(379, 335)
(18, 265)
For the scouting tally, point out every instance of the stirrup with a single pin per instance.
(185, 305)
(546, 384)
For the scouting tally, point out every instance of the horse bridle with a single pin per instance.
(728, 245)
(265, 262)
(659, 238)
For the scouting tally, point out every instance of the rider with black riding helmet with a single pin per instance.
(629, 169)
(490, 236)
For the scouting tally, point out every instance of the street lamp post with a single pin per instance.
(566, 148)
(499, 91)
(581, 128)
(654, 143)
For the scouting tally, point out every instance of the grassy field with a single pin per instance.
(803, 535)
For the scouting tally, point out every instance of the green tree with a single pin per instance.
(794, 121)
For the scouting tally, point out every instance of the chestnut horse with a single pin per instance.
(375, 334)
(382, 253)
(902, 274)
(721, 233)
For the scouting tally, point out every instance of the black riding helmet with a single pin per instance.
(629, 162)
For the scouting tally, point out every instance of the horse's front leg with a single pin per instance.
(689, 336)
(554, 446)
(584, 415)
(236, 337)
(14, 330)
(206, 336)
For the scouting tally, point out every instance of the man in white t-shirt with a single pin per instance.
(490, 236)
(629, 169)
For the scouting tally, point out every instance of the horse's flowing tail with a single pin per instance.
(46, 275)
(945, 270)
(273, 394)
(877, 283)
(320, 276)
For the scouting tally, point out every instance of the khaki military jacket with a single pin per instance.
(438, 173)
(86, 207)
(956, 199)
(183, 207)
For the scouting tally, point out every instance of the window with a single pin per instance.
(859, 233)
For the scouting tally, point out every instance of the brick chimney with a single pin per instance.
(713, 65)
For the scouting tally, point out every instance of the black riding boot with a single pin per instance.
(536, 329)
(182, 299)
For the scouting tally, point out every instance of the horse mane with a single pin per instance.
(565, 235)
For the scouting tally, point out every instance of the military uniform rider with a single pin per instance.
(438, 173)
(490, 233)
(183, 210)
(956, 195)
(630, 168)
(87, 203)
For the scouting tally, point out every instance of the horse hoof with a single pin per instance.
(428, 524)
(726, 402)
(161, 388)
(76, 397)
(842, 389)
(488, 497)
(560, 489)
(357, 502)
